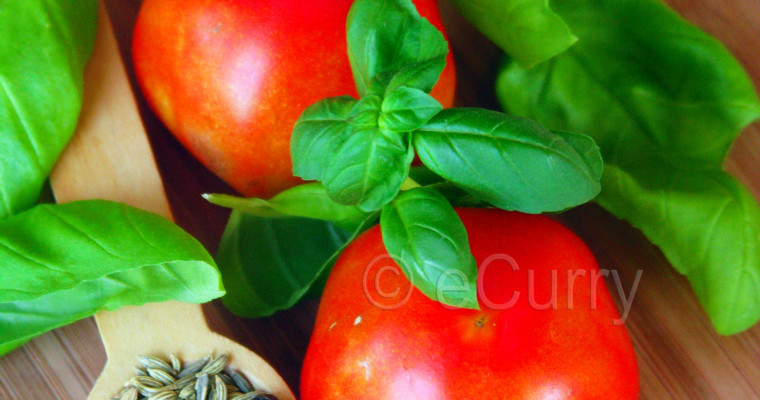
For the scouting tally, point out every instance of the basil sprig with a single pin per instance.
(365, 155)
(361, 151)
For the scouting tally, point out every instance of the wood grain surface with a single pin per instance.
(680, 356)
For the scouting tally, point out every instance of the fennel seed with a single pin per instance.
(216, 366)
(186, 392)
(220, 389)
(163, 376)
(165, 395)
(240, 382)
(129, 393)
(155, 363)
(201, 386)
(194, 367)
(176, 364)
(225, 377)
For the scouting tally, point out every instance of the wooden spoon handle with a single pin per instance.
(131, 328)
(92, 166)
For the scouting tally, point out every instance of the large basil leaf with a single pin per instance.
(65, 262)
(511, 162)
(45, 46)
(425, 236)
(390, 36)
(529, 31)
(640, 63)
(664, 101)
(309, 200)
(706, 223)
(268, 264)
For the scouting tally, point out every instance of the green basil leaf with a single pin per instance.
(707, 224)
(391, 36)
(123, 256)
(587, 149)
(664, 132)
(693, 104)
(45, 46)
(510, 162)
(309, 200)
(406, 109)
(366, 112)
(320, 129)
(529, 31)
(425, 236)
(270, 264)
(368, 168)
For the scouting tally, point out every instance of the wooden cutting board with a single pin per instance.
(680, 356)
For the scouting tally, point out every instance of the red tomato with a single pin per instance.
(375, 340)
(229, 78)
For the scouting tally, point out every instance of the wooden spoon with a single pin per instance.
(110, 158)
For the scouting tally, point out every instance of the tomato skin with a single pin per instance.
(229, 78)
(422, 350)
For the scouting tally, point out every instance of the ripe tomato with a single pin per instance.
(229, 78)
(375, 340)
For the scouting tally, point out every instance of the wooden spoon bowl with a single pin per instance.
(110, 158)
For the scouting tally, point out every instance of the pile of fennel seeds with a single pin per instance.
(204, 379)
